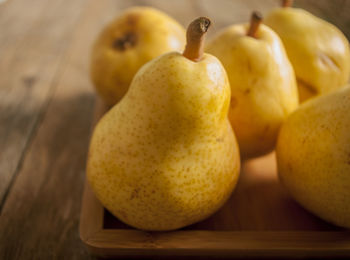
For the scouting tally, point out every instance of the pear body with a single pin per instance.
(166, 156)
(263, 86)
(313, 156)
(135, 37)
(318, 51)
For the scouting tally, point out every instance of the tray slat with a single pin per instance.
(259, 219)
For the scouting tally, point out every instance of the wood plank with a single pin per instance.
(34, 35)
(41, 214)
(92, 214)
(40, 217)
(213, 243)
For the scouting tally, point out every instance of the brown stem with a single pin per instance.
(195, 38)
(255, 21)
(287, 3)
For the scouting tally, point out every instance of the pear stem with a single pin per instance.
(255, 22)
(287, 3)
(195, 38)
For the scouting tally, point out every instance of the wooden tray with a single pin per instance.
(260, 219)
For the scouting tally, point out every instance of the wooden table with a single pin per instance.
(47, 102)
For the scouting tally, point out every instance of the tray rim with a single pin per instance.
(109, 242)
(133, 242)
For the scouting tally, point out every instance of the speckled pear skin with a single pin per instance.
(146, 33)
(318, 51)
(313, 156)
(166, 156)
(263, 85)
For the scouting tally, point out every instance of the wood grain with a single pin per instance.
(32, 44)
(109, 243)
(41, 214)
(92, 214)
(46, 106)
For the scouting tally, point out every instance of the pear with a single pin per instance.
(318, 51)
(313, 156)
(165, 156)
(132, 39)
(263, 85)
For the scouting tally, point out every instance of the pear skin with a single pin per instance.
(318, 51)
(313, 156)
(263, 85)
(165, 156)
(135, 37)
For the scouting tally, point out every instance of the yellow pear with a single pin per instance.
(263, 86)
(313, 156)
(137, 36)
(165, 156)
(318, 51)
